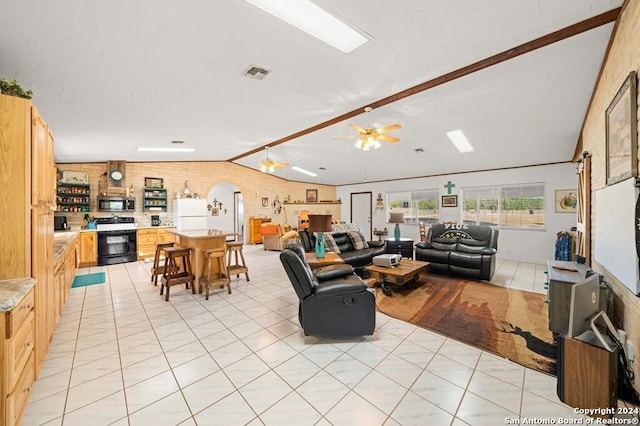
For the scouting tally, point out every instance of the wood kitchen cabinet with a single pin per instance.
(88, 248)
(17, 332)
(255, 229)
(147, 239)
(26, 155)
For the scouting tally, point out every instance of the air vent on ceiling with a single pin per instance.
(256, 72)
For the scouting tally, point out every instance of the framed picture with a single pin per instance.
(265, 201)
(622, 133)
(151, 182)
(449, 201)
(312, 196)
(566, 201)
(75, 177)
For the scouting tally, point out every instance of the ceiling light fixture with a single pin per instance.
(269, 166)
(149, 149)
(315, 21)
(301, 170)
(460, 141)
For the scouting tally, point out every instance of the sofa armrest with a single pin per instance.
(424, 245)
(375, 243)
(340, 287)
(489, 251)
(332, 272)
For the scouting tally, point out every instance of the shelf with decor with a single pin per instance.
(303, 203)
(155, 199)
(73, 197)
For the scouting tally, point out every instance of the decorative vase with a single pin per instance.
(320, 245)
(396, 232)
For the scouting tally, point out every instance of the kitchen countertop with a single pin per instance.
(13, 291)
(146, 226)
(200, 234)
(61, 241)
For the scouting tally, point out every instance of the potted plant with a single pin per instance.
(12, 88)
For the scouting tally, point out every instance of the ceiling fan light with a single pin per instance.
(263, 168)
(272, 169)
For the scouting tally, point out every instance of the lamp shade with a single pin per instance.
(396, 217)
(319, 223)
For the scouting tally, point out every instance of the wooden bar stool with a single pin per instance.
(177, 269)
(236, 268)
(157, 268)
(209, 278)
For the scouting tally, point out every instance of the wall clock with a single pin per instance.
(116, 175)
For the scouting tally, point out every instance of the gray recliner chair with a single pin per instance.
(334, 301)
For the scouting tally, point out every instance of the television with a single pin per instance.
(584, 305)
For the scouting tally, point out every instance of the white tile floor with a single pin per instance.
(121, 355)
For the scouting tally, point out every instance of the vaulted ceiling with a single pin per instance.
(110, 77)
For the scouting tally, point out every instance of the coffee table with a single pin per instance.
(330, 258)
(405, 273)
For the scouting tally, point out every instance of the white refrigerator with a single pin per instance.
(190, 214)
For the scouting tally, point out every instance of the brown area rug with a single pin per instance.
(510, 323)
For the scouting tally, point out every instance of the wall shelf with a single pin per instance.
(73, 197)
(155, 199)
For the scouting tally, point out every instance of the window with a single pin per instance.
(417, 206)
(518, 206)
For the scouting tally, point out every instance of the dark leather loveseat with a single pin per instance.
(357, 258)
(463, 250)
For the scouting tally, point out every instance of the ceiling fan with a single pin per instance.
(369, 137)
(269, 166)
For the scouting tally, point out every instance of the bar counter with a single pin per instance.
(197, 240)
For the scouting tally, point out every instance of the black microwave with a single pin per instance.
(116, 204)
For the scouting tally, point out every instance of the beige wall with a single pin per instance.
(201, 177)
(623, 57)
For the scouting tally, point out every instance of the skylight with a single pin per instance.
(460, 141)
(312, 19)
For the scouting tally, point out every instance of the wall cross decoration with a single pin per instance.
(449, 186)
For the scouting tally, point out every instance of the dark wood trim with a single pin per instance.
(570, 31)
(454, 173)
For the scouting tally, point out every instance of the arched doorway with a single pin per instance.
(226, 208)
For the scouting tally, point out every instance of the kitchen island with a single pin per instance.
(198, 240)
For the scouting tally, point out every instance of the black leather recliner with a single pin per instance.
(334, 301)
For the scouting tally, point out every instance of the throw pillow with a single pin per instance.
(330, 244)
(357, 240)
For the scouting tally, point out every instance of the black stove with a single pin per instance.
(117, 242)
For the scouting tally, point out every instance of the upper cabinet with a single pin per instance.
(42, 168)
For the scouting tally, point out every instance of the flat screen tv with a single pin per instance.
(585, 304)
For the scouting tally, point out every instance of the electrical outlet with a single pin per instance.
(631, 351)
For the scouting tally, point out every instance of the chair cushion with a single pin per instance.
(357, 240)
(342, 241)
(330, 244)
(271, 229)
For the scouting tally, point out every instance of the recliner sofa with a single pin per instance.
(462, 250)
(347, 251)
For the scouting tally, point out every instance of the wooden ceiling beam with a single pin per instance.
(546, 40)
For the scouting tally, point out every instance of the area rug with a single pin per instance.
(88, 279)
(510, 323)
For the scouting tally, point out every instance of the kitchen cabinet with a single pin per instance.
(26, 155)
(155, 199)
(148, 238)
(88, 248)
(17, 331)
(255, 229)
(73, 197)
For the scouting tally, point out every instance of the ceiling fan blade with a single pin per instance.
(280, 165)
(389, 128)
(357, 128)
(347, 137)
(387, 138)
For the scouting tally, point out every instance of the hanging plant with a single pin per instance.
(12, 88)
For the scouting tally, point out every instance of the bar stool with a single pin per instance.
(177, 272)
(214, 257)
(157, 268)
(236, 268)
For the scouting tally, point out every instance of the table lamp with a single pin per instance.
(397, 218)
(319, 223)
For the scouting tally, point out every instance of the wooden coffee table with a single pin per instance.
(330, 258)
(405, 273)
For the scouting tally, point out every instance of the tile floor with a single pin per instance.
(121, 355)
